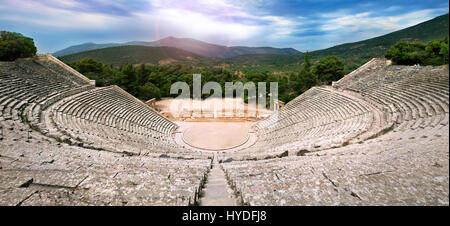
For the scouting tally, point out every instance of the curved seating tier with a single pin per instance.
(26, 83)
(58, 67)
(405, 165)
(412, 97)
(107, 118)
(43, 102)
(317, 119)
(37, 170)
(404, 168)
(142, 165)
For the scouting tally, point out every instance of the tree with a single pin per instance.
(397, 52)
(128, 81)
(433, 48)
(433, 54)
(418, 53)
(293, 81)
(142, 74)
(88, 65)
(329, 69)
(405, 53)
(149, 91)
(106, 76)
(307, 64)
(444, 50)
(283, 82)
(306, 80)
(14, 45)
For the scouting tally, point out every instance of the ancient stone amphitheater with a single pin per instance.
(379, 136)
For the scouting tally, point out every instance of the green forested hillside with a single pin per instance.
(356, 53)
(122, 55)
(188, 44)
(352, 54)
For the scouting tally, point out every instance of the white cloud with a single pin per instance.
(64, 3)
(366, 21)
(342, 28)
(352, 22)
(51, 17)
(227, 22)
(192, 24)
(393, 8)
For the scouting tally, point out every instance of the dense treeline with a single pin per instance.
(14, 45)
(150, 81)
(146, 82)
(434, 52)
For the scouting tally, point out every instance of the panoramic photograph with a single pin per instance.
(224, 103)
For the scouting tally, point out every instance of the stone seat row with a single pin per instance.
(319, 118)
(414, 97)
(393, 169)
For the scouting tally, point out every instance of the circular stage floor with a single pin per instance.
(216, 135)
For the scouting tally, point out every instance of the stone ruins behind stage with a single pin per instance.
(377, 137)
(227, 109)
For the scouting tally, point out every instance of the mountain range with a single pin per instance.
(172, 50)
(135, 54)
(187, 44)
(353, 54)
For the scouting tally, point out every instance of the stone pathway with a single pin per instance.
(216, 191)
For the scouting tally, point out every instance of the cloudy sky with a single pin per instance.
(302, 24)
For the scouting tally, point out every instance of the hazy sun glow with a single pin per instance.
(304, 25)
